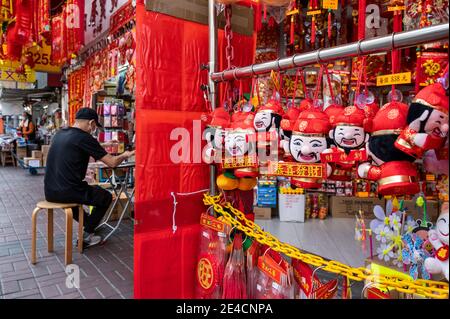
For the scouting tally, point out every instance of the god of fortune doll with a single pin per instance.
(214, 134)
(390, 167)
(240, 144)
(287, 123)
(332, 111)
(349, 138)
(267, 126)
(427, 122)
(308, 140)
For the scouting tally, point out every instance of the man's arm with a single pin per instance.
(113, 161)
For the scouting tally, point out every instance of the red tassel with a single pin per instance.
(313, 31)
(265, 12)
(329, 24)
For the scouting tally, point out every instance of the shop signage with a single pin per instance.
(8, 73)
(197, 11)
(42, 59)
(121, 17)
(314, 12)
(240, 162)
(330, 4)
(293, 169)
(396, 78)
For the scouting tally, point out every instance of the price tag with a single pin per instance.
(397, 78)
(42, 59)
(430, 178)
(396, 8)
(313, 13)
(330, 4)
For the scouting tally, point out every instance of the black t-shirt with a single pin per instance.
(68, 159)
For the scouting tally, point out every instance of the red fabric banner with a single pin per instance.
(169, 53)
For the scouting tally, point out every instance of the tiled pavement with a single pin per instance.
(105, 271)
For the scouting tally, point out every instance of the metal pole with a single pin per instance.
(398, 40)
(212, 27)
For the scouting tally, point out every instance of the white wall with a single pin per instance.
(11, 108)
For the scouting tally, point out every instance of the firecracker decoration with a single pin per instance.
(74, 29)
(20, 34)
(44, 20)
(58, 40)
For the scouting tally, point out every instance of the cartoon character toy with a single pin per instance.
(390, 167)
(427, 122)
(439, 239)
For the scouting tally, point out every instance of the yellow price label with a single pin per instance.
(397, 78)
(330, 4)
(42, 59)
(430, 178)
(396, 8)
(313, 13)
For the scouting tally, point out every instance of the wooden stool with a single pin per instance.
(7, 158)
(49, 206)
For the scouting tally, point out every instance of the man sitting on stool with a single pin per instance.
(67, 163)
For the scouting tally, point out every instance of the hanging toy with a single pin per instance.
(349, 136)
(439, 239)
(391, 168)
(427, 122)
(308, 140)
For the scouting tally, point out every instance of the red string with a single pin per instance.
(318, 84)
(329, 84)
(305, 89)
(295, 87)
(360, 75)
(329, 24)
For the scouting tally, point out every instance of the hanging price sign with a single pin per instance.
(330, 4)
(314, 12)
(8, 72)
(397, 78)
(239, 161)
(42, 59)
(396, 8)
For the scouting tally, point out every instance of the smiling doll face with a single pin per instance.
(350, 137)
(307, 149)
(437, 124)
(262, 121)
(236, 143)
(442, 227)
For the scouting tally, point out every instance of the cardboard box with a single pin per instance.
(417, 212)
(45, 149)
(34, 162)
(26, 160)
(44, 160)
(21, 152)
(36, 154)
(262, 212)
(115, 215)
(347, 207)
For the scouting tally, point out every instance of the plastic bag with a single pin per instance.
(274, 279)
(234, 281)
